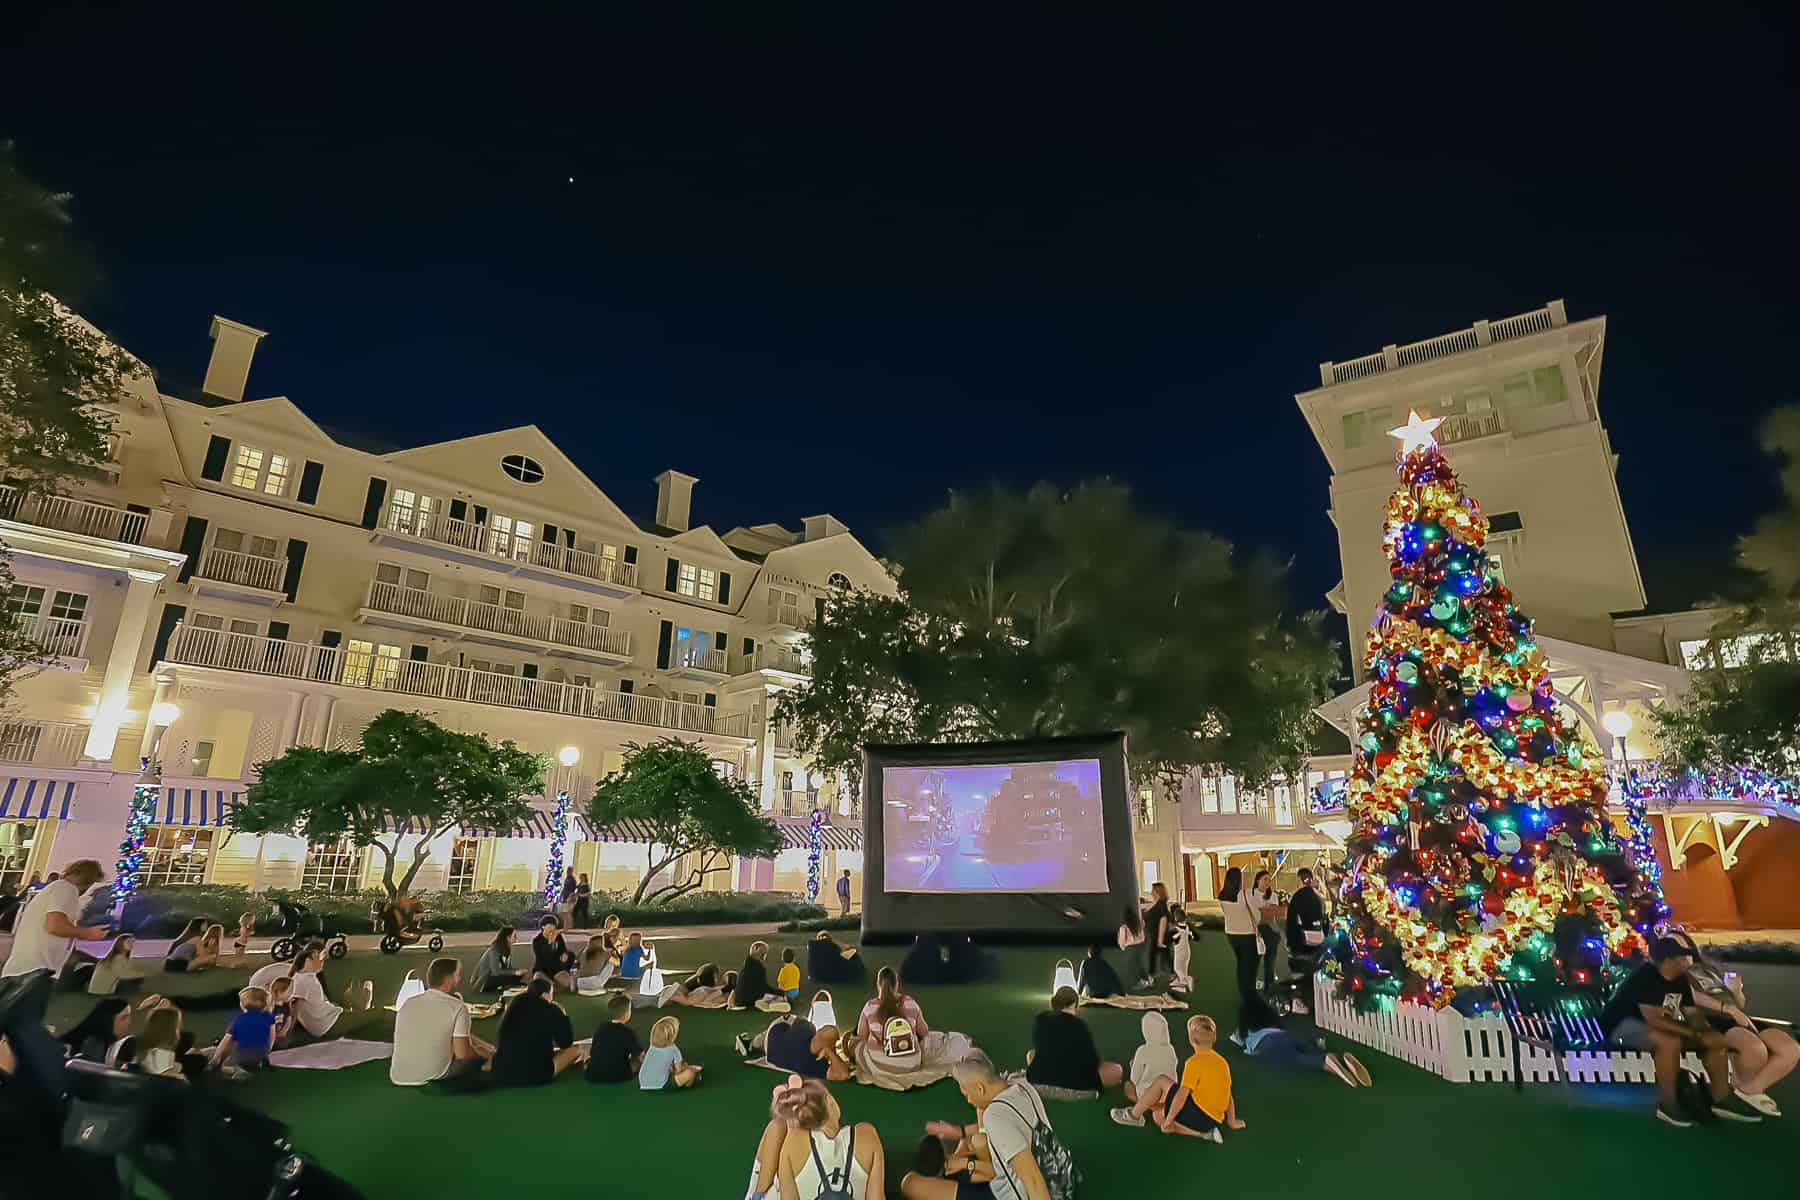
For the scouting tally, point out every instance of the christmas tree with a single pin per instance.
(1480, 845)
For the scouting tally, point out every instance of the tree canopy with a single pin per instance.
(693, 813)
(1054, 612)
(409, 770)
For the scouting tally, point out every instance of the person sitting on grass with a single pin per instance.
(157, 1046)
(314, 1013)
(787, 980)
(704, 988)
(1260, 1033)
(950, 1159)
(494, 970)
(432, 1033)
(1009, 1116)
(180, 954)
(753, 978)
(100, 1036)
(832, 1159)
(794, 1045)
(536, 1041)
(1097, 980)
(1654, 1011)
(615, 1053)
(1063, 1055)
(117, 972)
(663, 1064)
(829, 962)
(211, 942)
(887, 1003)
(631, 961)
(247, 1039)
(551, 956)
(1198, 1104)
(1155, 1057)
(281, 1007)
(1762, 1055)
(596, 967)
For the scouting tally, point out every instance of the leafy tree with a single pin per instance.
(409, 769)
(1063, 612)
(694, 813)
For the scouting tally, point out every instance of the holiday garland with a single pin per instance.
(131, 848)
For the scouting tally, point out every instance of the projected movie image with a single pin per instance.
(1006, 827)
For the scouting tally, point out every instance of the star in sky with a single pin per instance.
(1416, 434)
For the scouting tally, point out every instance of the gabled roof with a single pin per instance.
(518, 439)
(702, 537)
(800, 551)
(274, 411)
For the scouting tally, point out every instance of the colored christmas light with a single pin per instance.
(559, 830)
(815, 841)
(130, 862)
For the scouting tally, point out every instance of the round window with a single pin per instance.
(839, 581)
(523, 469)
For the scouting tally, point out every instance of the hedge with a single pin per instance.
(163, 911)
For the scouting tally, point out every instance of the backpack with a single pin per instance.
(1693, 1099)
(834, 1184)
(1062, 1178)
(897, 1038)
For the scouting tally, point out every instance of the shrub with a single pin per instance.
(814, 924)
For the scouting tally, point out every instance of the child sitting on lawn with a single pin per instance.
(663, 1061)
(281, 1007)
(788, 978)
(615, 1053)
(1200, 1103)
(248, 1038)
(631, 963)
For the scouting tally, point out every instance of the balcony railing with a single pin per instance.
(494, 543)
(244, 570)
(334, 664)
(495, 618)
(772, 658)
(70, 515)
(61, 637)
(688, 658)
(1482, 333)
(796, 804)
(1462, 427)
(42, 743)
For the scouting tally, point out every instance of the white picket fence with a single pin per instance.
(1475, 1049)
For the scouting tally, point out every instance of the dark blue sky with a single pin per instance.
(847, 257)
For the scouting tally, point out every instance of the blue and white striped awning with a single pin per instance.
(25, 798)
(196, 806)
(535, 825)
(622, 831)
(797, 835)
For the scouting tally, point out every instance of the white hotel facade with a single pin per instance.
(281, 588)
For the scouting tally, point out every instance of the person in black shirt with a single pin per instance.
(1654, 1010)
(826, 961)
(1156, 932)
(536, 1042)
(551, 956)
(616, 1052)
(1098, 980)
(1305, 934)
(1063, 1054)
(753, 978)
(584, 894)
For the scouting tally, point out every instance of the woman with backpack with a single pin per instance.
(888, 1003)
(832, 1161)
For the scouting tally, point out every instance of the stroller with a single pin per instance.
(298, 924)
(402, 924)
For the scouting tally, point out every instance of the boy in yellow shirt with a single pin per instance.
(1200, 1102)
(788, 978)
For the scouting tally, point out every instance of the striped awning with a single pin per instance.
(622, 831)
(196, 806)
(797, 835)
(534, 825)
(24, 798)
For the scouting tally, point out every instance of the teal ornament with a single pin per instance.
(1507, 841)
(1444, 607)
(1407, 672)
(1371, 742)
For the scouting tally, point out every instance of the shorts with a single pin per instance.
(973, 1191)
(1191, 1116)
(1631, 1033)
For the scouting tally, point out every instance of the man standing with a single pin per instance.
(431, 1032)
(843, 890)
(46, 930)
(1305, 934)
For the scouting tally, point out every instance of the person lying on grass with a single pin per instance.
(823, 1156)
(704, 987)
(793, 1044)
(1262, 1037)
(1198, 1104)
(1063, 1054)
(663, 1063)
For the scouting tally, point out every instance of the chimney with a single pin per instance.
(234, 345)
(674, 499)
(822, 526)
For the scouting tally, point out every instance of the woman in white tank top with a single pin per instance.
(833, 1160)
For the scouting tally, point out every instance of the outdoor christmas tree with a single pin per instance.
(1480, 848)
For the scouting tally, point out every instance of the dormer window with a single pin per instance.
(522, 468)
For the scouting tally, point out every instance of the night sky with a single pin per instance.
(847, 257)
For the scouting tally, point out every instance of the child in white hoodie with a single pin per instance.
(1155, 1057)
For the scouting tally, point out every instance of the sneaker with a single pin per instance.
(1671, 1118)
(1357, 1069)
(235, 1074)
(742, 1042)
(1127, 1116)
(1733, 1109)
(1337, 1067)
(1213, 1135)
(1238, 1037)
(1762, 1102)
(1299, 1006)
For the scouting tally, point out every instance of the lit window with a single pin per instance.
(333, 865)
(1209, 795)
(462, 866)
(175, 856)
(509, 538)
(246, 472)
(410, 512)
(523, 469)
(16, 838)
(1147, 807)
(276, 480)
(357, 656)
(386, 667)
(1284, 804)
(702, 583)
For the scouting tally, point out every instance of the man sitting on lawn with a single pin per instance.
(1654, 1010)
(551, 956)
(431, 1031)
(1007, 1114)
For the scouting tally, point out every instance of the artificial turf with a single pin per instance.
(1412, 1134)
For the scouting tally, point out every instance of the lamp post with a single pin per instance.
(1617, 724)
(568, 756)
(143, 808)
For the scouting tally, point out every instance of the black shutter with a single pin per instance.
(528, 670)
(278, 631)
(193, 536)
(325, 665)
(459, 511)
(724, 587)
(718, 641)
(819, 608)
(663, 641)
(673, 573)
(310, 475)
(420, 653)
(711, 700)
(331, 638)
(372, 505)
(749, 647)
(549, 533)
(569, 538)
(481, 515)
(172, 615)
(625, 686)
(631, 554)
(217, 451)
(296, 556)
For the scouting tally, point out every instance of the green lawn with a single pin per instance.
(1411, 1132)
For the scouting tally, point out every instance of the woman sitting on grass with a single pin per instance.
(829, 962)
(536, 1043)
(180, 954)
(832, 1159)
(210, 944)
(1098, 980)
(595, 967)
(495, 971)
(753, 983)
(117, 972)
(100, 1036)
(1063, 1056)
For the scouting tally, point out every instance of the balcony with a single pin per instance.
(235, 575)
(1482, 333)
(42, 743)
(191, 646)
(797, 804)
(783, 659)
(494, 624)
(691, 662)
(69, 515)
(480, 545)
(63, 638)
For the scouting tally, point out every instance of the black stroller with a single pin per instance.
(298, 924)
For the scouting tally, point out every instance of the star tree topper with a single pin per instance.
(1417, 433)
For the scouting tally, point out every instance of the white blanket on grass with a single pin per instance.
(939, 1052)
(1136, 1002)
(333, 1055)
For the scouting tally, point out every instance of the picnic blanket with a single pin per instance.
(939, 1052)
(714, 997)
(768, 1004)
(333, 1055)
(1136, 1002)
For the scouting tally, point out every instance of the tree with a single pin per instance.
(1053, 612)
(1481, 848)
(692, 811)
(409, 772)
